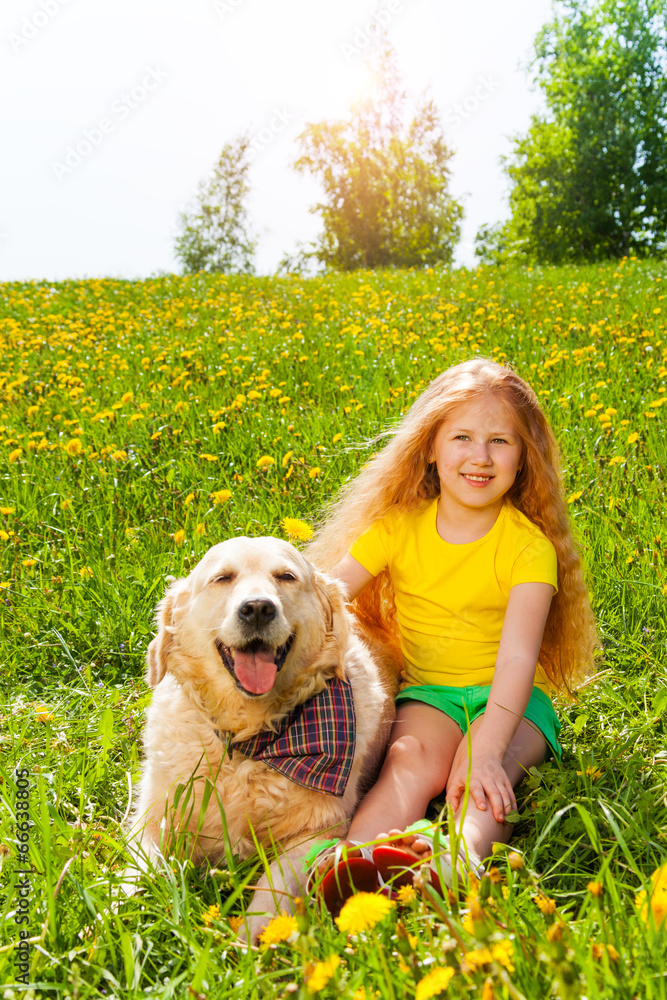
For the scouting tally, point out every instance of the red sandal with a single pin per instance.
(347, 874)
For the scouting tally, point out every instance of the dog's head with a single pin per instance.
(254, 617)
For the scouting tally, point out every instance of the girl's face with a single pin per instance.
(477, 451)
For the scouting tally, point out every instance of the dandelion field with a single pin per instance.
(141, 422)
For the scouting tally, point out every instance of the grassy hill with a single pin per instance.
(140, 423)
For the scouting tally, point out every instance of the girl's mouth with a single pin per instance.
(481, 480)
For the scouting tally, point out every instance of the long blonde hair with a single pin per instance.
(401, 478)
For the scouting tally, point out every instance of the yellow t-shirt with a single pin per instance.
(451, 599)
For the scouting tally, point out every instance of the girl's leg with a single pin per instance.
(480, 830)
(419, 757)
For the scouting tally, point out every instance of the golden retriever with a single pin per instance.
(247, 641)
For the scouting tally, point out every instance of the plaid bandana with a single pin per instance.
(315, 745)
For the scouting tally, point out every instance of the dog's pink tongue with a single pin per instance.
(255, 671)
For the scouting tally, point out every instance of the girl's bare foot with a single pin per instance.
(401, 853)
(410, 842)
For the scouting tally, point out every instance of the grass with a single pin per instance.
(126, 410)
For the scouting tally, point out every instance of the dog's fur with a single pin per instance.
(199, 706)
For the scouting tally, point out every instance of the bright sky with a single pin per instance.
(150, 90)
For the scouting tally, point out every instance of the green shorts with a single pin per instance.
(454, 701)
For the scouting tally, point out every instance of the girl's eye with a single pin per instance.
(461, 437)
(499, 441)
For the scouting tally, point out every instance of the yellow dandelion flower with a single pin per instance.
(280, 929)
(178, 537)
(28, 563)
(296, 529)
(189, 498)
(119, 455)
(633, 437)
(126, 397)
(336, 438)
(284, 399)
(200, 529)
(433, 983)
(15, 455)
(235, 924)
(546, 905)
(574, 496)
(85, 573)
(362, 912)
(655, 900)
(211, 914)
(613, 954)
(502, 952)
(406, 894)
(42, 712)
(265, 462)
(220, 496)
(209, 458)
(6, 510)
(74, 447)
(478, 958)
(314, 473)
(617, 459)
(591, 413)
(3, 535)
(286, 459)
(595, 888)
(156, 436)
(321, 973)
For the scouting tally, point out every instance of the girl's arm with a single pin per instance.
(352, 575)
(513, 680)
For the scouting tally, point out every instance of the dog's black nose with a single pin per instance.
(257, 612)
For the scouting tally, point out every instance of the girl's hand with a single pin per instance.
(489, 784)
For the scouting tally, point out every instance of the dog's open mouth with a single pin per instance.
(256, 665)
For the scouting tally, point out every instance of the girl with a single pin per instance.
(455, 540)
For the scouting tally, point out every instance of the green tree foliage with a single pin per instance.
(385, 175)
(214, 231)
(589, 178)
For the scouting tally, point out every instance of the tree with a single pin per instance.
(385, 178)
(215, 230)
(589, 178)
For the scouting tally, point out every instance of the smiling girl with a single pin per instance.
(455, 542)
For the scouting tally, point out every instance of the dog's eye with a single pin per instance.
(224, 578)
(285, 576)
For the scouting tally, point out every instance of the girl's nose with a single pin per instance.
(481, 454)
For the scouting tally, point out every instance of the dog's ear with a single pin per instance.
(158, 651)
(331, 597)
